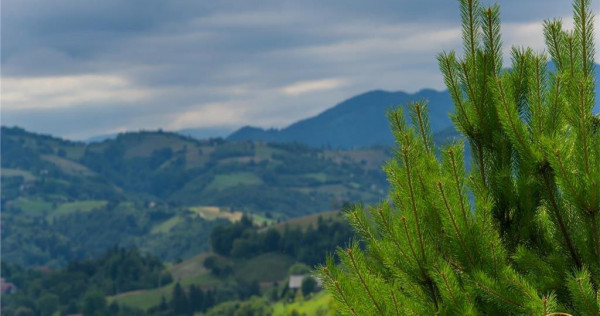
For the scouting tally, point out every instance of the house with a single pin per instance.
(295, 281)
(7, 287)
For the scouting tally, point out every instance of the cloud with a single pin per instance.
(207, 115)
(26, 94)
(303, 87)
(77, 68)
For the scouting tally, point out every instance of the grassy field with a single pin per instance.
(264, 152)
(319, 304)
(166, 226)
(189, 268)
(33, 207)
(265, 267)
(27, 176)
(305, 221)
(144, 299)
(212, 212)
(74, 152)
(68, 166)
(321, 177)
(78, 206)
(262, 220)
(197, 157)
(224, 181)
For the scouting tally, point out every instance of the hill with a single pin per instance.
(162, 192)
(248, 176)
(357, 122)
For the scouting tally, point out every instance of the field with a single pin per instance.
(267, 267)
(264, 268)
(212, 212)
(68, 166)
(305, 221)
(189, 268)
(166, 226)
(27, 176)
(320, 304)
(33, 207)
(78, 206)
(224, 181)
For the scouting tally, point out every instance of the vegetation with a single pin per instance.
(80, 230)
(161, 192)
(243, 240)
(319, 305)
(82, 285)
(232, 280)
(519, 234)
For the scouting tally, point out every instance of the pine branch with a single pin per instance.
(413, 202)
(557, 214)
(362, 281)
(455, 226)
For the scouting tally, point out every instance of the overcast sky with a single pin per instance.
(76, 68)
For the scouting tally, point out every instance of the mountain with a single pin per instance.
(357, 122)
(361, 121)
(198, 133)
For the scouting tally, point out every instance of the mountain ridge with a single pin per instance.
(337, 126)
(360, 121)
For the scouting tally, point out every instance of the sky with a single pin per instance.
(81, 68)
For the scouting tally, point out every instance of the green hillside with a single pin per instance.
(285, 180)
(163, 192)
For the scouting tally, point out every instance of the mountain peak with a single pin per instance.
(359, 121)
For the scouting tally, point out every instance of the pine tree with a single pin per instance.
(180, 303)
(196, 298)
(518, 234)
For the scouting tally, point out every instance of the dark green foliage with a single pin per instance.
(299, 268)
(222, 238)
(245, 241)
(180, 304)
(94, 304)
(185, 303)
(520, 233)
(196, 296)
(218, 266)
(87, 282)
(252, 307)
(48, 304)
(28, 240)
(309, 284)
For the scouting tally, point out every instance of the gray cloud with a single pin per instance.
(79, 68)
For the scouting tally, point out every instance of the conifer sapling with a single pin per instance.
(518, 233)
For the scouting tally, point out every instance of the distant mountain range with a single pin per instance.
(357, 122)
(361, 121)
